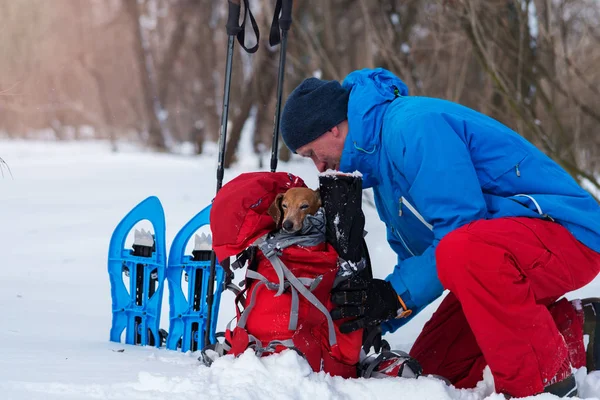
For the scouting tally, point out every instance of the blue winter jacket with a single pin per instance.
(435, 165)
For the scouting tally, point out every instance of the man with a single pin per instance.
(472, 207)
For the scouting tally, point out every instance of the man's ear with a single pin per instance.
(337, 132)
(275, 210)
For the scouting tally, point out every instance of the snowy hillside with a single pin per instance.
(58, 212)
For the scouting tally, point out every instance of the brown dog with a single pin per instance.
(290, 208)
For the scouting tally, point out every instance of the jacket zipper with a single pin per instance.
(414, 211)
(399, 236)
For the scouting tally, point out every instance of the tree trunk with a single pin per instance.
(264, 74)
(176, 42)
(206, 123)
(156, 133)
(105, 105)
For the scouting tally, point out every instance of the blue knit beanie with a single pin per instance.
(312, 109)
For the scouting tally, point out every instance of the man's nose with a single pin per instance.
(321, 166)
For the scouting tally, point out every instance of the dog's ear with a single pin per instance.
(318, 196)
(275, 210)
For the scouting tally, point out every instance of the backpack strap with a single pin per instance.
(213, 351)
(282, 271)
(271, 347)
(307, 282)
(243, 318)
(247, 255)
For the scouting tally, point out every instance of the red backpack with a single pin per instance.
(288, 280)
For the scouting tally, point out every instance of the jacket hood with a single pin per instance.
(371, 91)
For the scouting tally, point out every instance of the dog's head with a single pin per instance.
(290, 208)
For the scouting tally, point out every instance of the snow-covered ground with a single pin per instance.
(58, 211)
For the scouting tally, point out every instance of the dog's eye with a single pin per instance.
(284, 206)
(304, 206)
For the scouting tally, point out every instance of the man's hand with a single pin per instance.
(368, 302)
(372, 339)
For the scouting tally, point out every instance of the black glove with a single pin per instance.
(372, 338)
(368, 302)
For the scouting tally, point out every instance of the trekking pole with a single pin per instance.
(233, 28)
(285, 21)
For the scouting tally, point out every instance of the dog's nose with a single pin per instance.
(288, 225)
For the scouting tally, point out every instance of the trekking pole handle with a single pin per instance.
(233, 19)
(285, 20)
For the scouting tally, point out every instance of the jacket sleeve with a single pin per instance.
(446, 191)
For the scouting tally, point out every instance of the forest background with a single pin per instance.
(152, 71)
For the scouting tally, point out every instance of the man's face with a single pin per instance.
(326, 150)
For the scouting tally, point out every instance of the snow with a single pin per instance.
(333, 173)
(58, 211)
(532, 19)
(586, 184)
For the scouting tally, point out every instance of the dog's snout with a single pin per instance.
(288, 225)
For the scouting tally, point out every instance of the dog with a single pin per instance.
(289, 209)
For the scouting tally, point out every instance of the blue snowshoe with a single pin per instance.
(188, 306)
(137, 276)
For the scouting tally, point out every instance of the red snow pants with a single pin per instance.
(504, 277)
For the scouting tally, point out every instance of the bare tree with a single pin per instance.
(123, 66)
(527, 77)
(157, 130)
